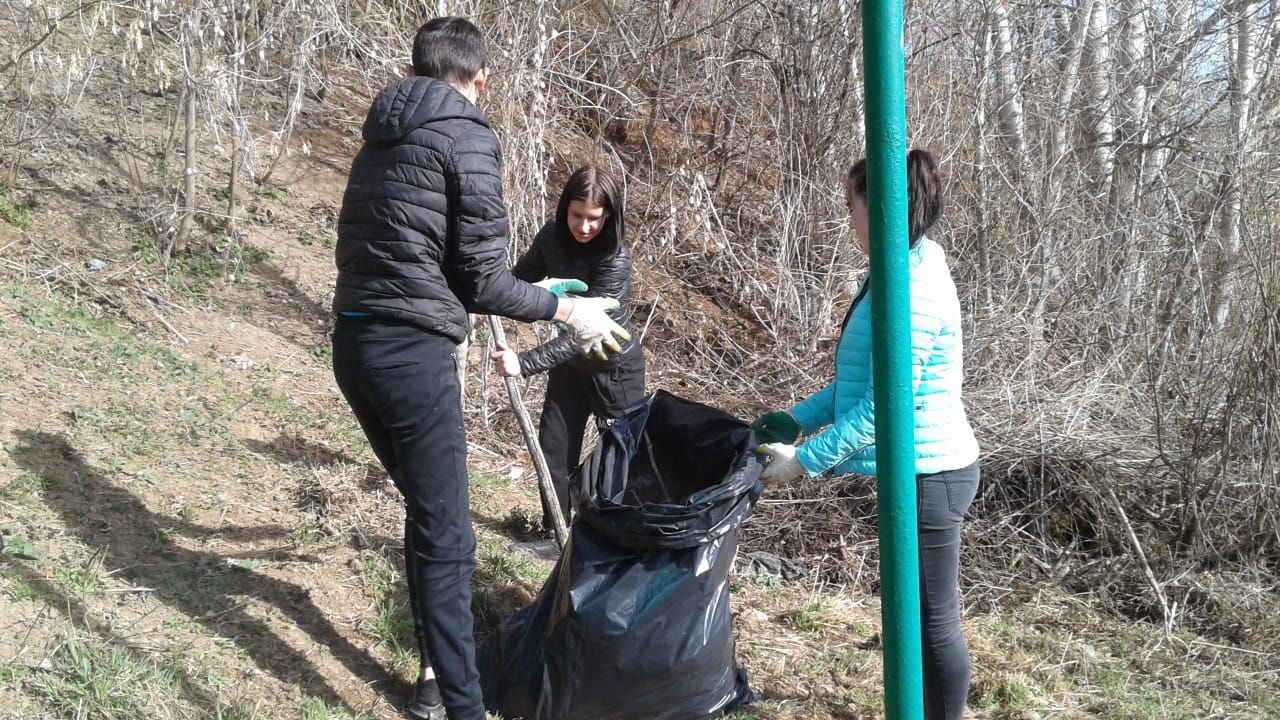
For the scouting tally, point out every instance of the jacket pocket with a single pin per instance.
(390, 366)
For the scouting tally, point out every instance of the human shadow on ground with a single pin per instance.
(294, 450)
(79, 615)
(296, 316)
(211, 589)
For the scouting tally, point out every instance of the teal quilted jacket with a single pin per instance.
(840, 418)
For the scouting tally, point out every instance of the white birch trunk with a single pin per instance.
(1070, 79)
(1240, 85)
(1062, 118)
(1099, 102)
(850, 24)
(980, 207)
(1013, 123)
(1161, 99)
(1133, 134)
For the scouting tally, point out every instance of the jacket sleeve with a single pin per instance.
(611, 277)
(477, 255)
(855, 430)
(532, 265)
(548, 355)
(816, 411)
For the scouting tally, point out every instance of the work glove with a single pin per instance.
(776, 427)
(591, 328)
(783, 466)
(505, 361)
(561, 287)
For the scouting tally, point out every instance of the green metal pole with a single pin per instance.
(891, 357)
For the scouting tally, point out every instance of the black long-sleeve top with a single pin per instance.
(606, 273)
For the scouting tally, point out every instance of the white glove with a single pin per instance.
(783, 466)
(592, 329)
(505, 361)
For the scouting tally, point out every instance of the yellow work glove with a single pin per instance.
(591, 328)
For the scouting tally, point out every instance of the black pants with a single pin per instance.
(942, 500)
(402, 385)
(573, 395)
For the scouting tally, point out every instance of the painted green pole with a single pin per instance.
(891, 357)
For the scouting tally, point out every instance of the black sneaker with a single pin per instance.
(427, 704)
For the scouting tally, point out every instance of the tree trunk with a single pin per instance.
(1069, 69)
(183, 236)
(1100, 101)
(983, 239)
(1128, 269)
(1240, 86)
(1013, 125)
(1046, 249)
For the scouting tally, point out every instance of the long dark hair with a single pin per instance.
(593, 186)
(924, 190)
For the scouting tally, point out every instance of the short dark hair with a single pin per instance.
(924, 190)
(449, 49)
(594, 186)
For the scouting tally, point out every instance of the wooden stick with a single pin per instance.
(156, 311)
(545, 488)
(1165, 611)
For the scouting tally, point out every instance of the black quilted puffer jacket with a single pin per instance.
(606, 273)
(422, 236)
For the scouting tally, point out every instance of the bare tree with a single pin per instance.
(1008, 96)
(1241, 75)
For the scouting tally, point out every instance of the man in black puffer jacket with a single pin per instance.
(422, 241)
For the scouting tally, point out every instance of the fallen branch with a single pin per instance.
(156, 311)
(1166, 611)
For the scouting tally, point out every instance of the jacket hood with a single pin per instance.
(409, 103)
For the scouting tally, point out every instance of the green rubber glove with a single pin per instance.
(561, 287)
(776, 427)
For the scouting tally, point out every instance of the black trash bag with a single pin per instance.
(633, 622)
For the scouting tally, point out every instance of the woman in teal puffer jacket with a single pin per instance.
(839, 424)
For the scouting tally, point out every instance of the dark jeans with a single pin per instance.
(402, 385)
(574, 394)
(942, 500)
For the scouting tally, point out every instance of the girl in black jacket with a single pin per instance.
(584, 241)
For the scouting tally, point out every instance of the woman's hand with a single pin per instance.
(505, 361)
